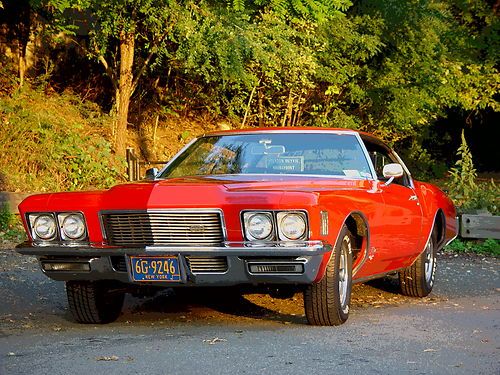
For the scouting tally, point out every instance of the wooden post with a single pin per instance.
(130, 164)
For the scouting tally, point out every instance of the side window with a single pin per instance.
(381, 156)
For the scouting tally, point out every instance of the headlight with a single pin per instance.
(292, 226)
(72, 226)
(258, 225)
(44, 226)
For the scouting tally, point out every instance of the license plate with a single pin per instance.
(155, 268)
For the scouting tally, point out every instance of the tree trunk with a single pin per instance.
(261, 108)
(124, 90)
(21, 54)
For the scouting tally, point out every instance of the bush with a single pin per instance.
(6, 218)
(54, 142)
(466, 193)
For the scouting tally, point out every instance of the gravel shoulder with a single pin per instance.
(454, 330)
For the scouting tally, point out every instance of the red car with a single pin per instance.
(310, 210)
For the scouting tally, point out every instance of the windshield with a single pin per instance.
(329, 154)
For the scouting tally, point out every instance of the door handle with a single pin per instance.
(413, 198)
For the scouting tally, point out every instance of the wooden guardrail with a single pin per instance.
(480, 226)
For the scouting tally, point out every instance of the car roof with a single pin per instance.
(288, 130)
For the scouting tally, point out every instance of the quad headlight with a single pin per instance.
(44, 227)
(72, 226)
(65, 226)
(275, 225)
(258, 225)
(291, 226)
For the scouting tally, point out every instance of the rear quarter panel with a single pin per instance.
(433, 200)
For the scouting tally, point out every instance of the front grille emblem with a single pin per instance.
(197, 228)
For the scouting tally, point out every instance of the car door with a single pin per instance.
(397, 234)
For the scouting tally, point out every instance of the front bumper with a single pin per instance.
(240, 256)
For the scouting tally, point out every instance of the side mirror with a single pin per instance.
(151, 173)
(392, 171)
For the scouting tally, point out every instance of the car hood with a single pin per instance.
(204, 191)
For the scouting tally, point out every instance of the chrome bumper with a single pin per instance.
(240, 256)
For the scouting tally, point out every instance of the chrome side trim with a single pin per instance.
(376, 276)
(410, 178)
(363, 261)
(450, 240)
(367, 250)
(287, 131)
(429, 235)
(337, 132)
(367, 157)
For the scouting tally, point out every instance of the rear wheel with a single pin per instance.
(418, 279)
(94, 302)
(327, 303)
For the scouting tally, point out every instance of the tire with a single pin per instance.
(418, 279)
(327, 302)
(93, 302)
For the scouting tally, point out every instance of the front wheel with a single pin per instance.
(327, 303)
(418, 279)
(94, 302)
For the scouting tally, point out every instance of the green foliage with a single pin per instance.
(294, 9)
(11, 228)
(487, 196)
(463, 176)
(464, 189)
(54, 143)
(389, 67)
(487, 247)
(6, 218)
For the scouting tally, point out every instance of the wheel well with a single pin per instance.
(439, 227)
(359, 229)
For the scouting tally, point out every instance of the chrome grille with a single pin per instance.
(207, 264)
(163, 228)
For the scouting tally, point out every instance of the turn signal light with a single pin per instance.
(65, 267)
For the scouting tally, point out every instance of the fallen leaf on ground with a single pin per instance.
(108, 358)
(214, 341)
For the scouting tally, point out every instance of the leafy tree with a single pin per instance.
(317, 10)
(428, 64)
(390, 67)
(125, 38)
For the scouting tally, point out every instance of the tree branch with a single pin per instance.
(141, 71)
(101, 59)
(105, 64)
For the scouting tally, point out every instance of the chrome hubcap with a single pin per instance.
(343, 273)
(429, 262)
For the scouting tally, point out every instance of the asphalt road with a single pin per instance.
(454, 331)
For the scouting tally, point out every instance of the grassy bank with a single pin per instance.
(54, 142)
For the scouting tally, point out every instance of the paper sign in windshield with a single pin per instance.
(286, 164)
